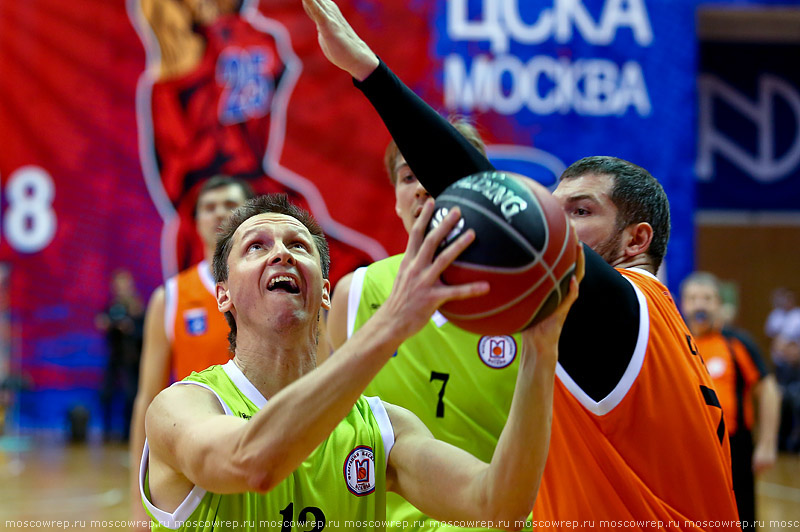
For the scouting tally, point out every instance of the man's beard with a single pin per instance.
(610, 249)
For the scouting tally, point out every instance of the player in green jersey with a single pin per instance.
(265, 443)
(458, 383)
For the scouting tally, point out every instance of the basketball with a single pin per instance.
(524, 247)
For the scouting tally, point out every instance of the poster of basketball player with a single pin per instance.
(213, 100)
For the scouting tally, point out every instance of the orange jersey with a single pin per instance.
(719, 353)
(196, 329)
(654, 453)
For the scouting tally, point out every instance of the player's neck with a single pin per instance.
(641, 261)
(271, 364)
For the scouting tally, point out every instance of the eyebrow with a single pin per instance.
(399, 166)
(296, 230)
(581, 197)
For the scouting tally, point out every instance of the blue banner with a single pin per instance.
(749, 129)
(557, 81)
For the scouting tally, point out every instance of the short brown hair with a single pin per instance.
(269, 203)
(638, 196)
(462, 124)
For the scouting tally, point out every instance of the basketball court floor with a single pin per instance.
(44, 480)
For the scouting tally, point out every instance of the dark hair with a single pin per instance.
(270, 203)
(638, 196)
(220, 181)
(462, 125)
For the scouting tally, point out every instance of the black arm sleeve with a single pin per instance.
(600, 333)
(601, 329)
(434, 150)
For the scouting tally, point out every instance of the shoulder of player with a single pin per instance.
(405, 423)
(182, 402)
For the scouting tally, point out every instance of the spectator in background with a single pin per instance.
(786, 353)
(740, 377)
(123, 323)
(783, 307)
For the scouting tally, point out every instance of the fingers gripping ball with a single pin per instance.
(524, 248)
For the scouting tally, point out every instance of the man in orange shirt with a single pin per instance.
(637, 437)
(740, 377)
(183, 329)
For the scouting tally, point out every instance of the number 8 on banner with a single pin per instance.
(29, 222)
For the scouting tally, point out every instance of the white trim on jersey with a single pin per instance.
(645, 272)
(608, 403)
(354, 298)
(175, 520)
(245, 386)
(438, 319)
(207, 279)
(384, 425)
(170, 307)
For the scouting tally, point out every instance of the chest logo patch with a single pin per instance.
(196, 321)
(497, 352)
(359, 471)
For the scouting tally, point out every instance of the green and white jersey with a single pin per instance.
(458, 383)
(341, 485)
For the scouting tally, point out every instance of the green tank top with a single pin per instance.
(458, 383)
(341, 485)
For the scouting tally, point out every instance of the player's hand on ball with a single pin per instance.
(418, 291)
(339, 42)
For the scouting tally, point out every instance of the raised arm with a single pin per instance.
(450, 484)
(438, 154)
(198, 445)
(435, 151)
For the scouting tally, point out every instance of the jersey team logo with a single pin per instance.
(196, 321)
(497, 351)
(359, 471)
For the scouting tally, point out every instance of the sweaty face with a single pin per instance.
(409, 194)
(587, 201)
(700, 305)
(274, 273)
(213, 206)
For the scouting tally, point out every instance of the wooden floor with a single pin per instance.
(44, 479)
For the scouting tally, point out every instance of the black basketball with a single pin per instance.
(524, 248)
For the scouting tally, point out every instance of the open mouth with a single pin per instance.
(283, 283)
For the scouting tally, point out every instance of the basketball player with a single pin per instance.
(264, 442)
(184, 332)
(219, 96)
(458, 383)
(638, 432)
(740, 379)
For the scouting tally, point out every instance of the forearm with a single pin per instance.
(521, 453)
(434, 150)
(769, 409)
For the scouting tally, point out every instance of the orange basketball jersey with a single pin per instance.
(718, 353)
(196, 329)
(654, 453)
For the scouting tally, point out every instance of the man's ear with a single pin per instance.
(224, 303)
(326, 294)
(638, 238)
